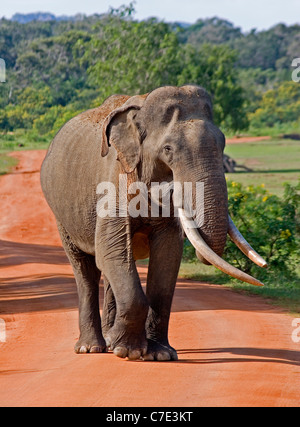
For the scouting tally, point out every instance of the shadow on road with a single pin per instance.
(37, 277)
(243, 354)
(34, 278)
(14, 253)
(37, 293)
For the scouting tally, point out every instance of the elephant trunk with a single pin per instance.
(208, 207)
(207, 226)
(214, 220)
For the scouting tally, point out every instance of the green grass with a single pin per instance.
(280, 291)
(6, 163)
(21, 141)
(273, 162)
(16, 142)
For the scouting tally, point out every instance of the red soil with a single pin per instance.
(239, 140)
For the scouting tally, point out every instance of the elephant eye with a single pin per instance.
(167, 149)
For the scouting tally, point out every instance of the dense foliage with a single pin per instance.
(59, 67)
(270, 222)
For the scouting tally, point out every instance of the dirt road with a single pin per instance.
(234, 350)
(240, 140)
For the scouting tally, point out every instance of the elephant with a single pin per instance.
(165, 136)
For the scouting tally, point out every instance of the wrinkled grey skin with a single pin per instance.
(163, 136)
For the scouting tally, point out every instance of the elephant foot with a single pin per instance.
(160, 352)
(86, 345)
(126, 344)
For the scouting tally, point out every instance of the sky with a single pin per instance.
(247, 14)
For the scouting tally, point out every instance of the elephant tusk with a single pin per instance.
(243, 245)
(202, 247)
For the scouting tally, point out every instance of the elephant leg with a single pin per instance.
(109, 308)
(165, 257)
(127, 337)
(87, 278)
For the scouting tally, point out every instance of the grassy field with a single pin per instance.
(273, 162)
(9, 143)
(6, 163)
(15, 142)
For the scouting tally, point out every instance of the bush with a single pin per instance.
(44, 123)
(277, 106)
(270, 224)
(49, 123)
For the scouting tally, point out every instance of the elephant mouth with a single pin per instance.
(192, 233)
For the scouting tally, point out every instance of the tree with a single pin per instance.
(213, 67)
(212, 30)
(80, 63)
(135, 57)
(278, 106)
(54, 61)
(30, 104)
(132, 57)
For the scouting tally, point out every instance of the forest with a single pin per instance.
(59, 67)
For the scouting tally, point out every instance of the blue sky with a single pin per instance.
(247, 14)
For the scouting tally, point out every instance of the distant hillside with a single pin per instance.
(24, 18)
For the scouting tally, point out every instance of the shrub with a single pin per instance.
(44, 123)
(277, 106)
(270, 224)
(49, 123)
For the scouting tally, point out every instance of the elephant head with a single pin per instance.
(169, 135)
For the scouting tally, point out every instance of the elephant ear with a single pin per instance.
(120, 130)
